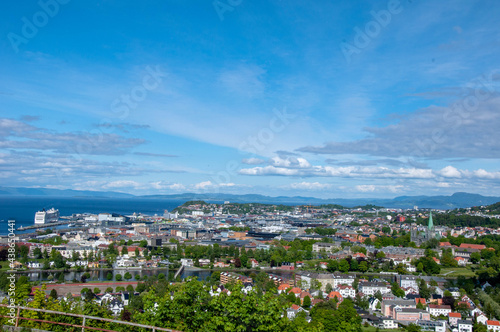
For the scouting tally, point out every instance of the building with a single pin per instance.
(327, 247)
(430, 325)
(370, 288)
(453, 318)
(226, 277)
(429, 233)
(437, 310)
(410, 314)
(493, 325)
(187, 262)
(342, 279)
(408, 282)
(346, 291)
(464, 325)
(388, 306)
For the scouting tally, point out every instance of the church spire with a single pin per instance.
(431, 224)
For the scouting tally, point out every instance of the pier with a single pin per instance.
(54, 224)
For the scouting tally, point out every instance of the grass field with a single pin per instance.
(456, 272)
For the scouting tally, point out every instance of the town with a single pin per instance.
(396, 268)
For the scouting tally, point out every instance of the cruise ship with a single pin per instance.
(45, 217)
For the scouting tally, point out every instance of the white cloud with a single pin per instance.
(459, 130)
(253, 161)
(121, 184)
(18, 135)
(310, 185)
(365, 188)
(203, 185)
(379, 188)
(481, 173)
(450, 172)
(290, 162)
(343, 172)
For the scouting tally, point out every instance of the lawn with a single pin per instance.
(456, 272)
(374, 329)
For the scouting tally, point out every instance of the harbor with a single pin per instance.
(41, 226)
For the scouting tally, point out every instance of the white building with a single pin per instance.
(408, 281)
(370, 288)
(493, 325)
(388, 323)
(436, 310)
(346, 291)
(464, 326)
(342, 279)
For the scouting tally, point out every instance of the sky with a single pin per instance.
(327, 99)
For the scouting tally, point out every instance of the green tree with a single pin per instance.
(413, 328)
(354, 265)
(363, 266)
(328, 288)
(118, 277)
(307, 302)
(475, 257)
(344, 266)
(37, 252)
(396, 290)
(127, 276)
(332, 266)
(423, 290)
(53, 294)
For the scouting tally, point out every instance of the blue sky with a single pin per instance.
(326, 99)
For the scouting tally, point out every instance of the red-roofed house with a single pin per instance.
(346, 291)
(282, 288)
(303, 295)
(254, 262)
(493, 325)
(296, 291)
(337, 295)
(444, 244)
(461, 261)
(453, 318)
(420, 300)
(472, 246)
(359, 255)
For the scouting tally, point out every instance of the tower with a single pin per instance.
(430, 228)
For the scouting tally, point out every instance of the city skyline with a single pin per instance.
(372, 99)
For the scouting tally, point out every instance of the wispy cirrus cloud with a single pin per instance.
(15, 134)
(434, 132)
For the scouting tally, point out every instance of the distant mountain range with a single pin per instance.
(457, 200)
(12, 191)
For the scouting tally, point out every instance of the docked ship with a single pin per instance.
(45, 217)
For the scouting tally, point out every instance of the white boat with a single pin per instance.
(45, 217)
